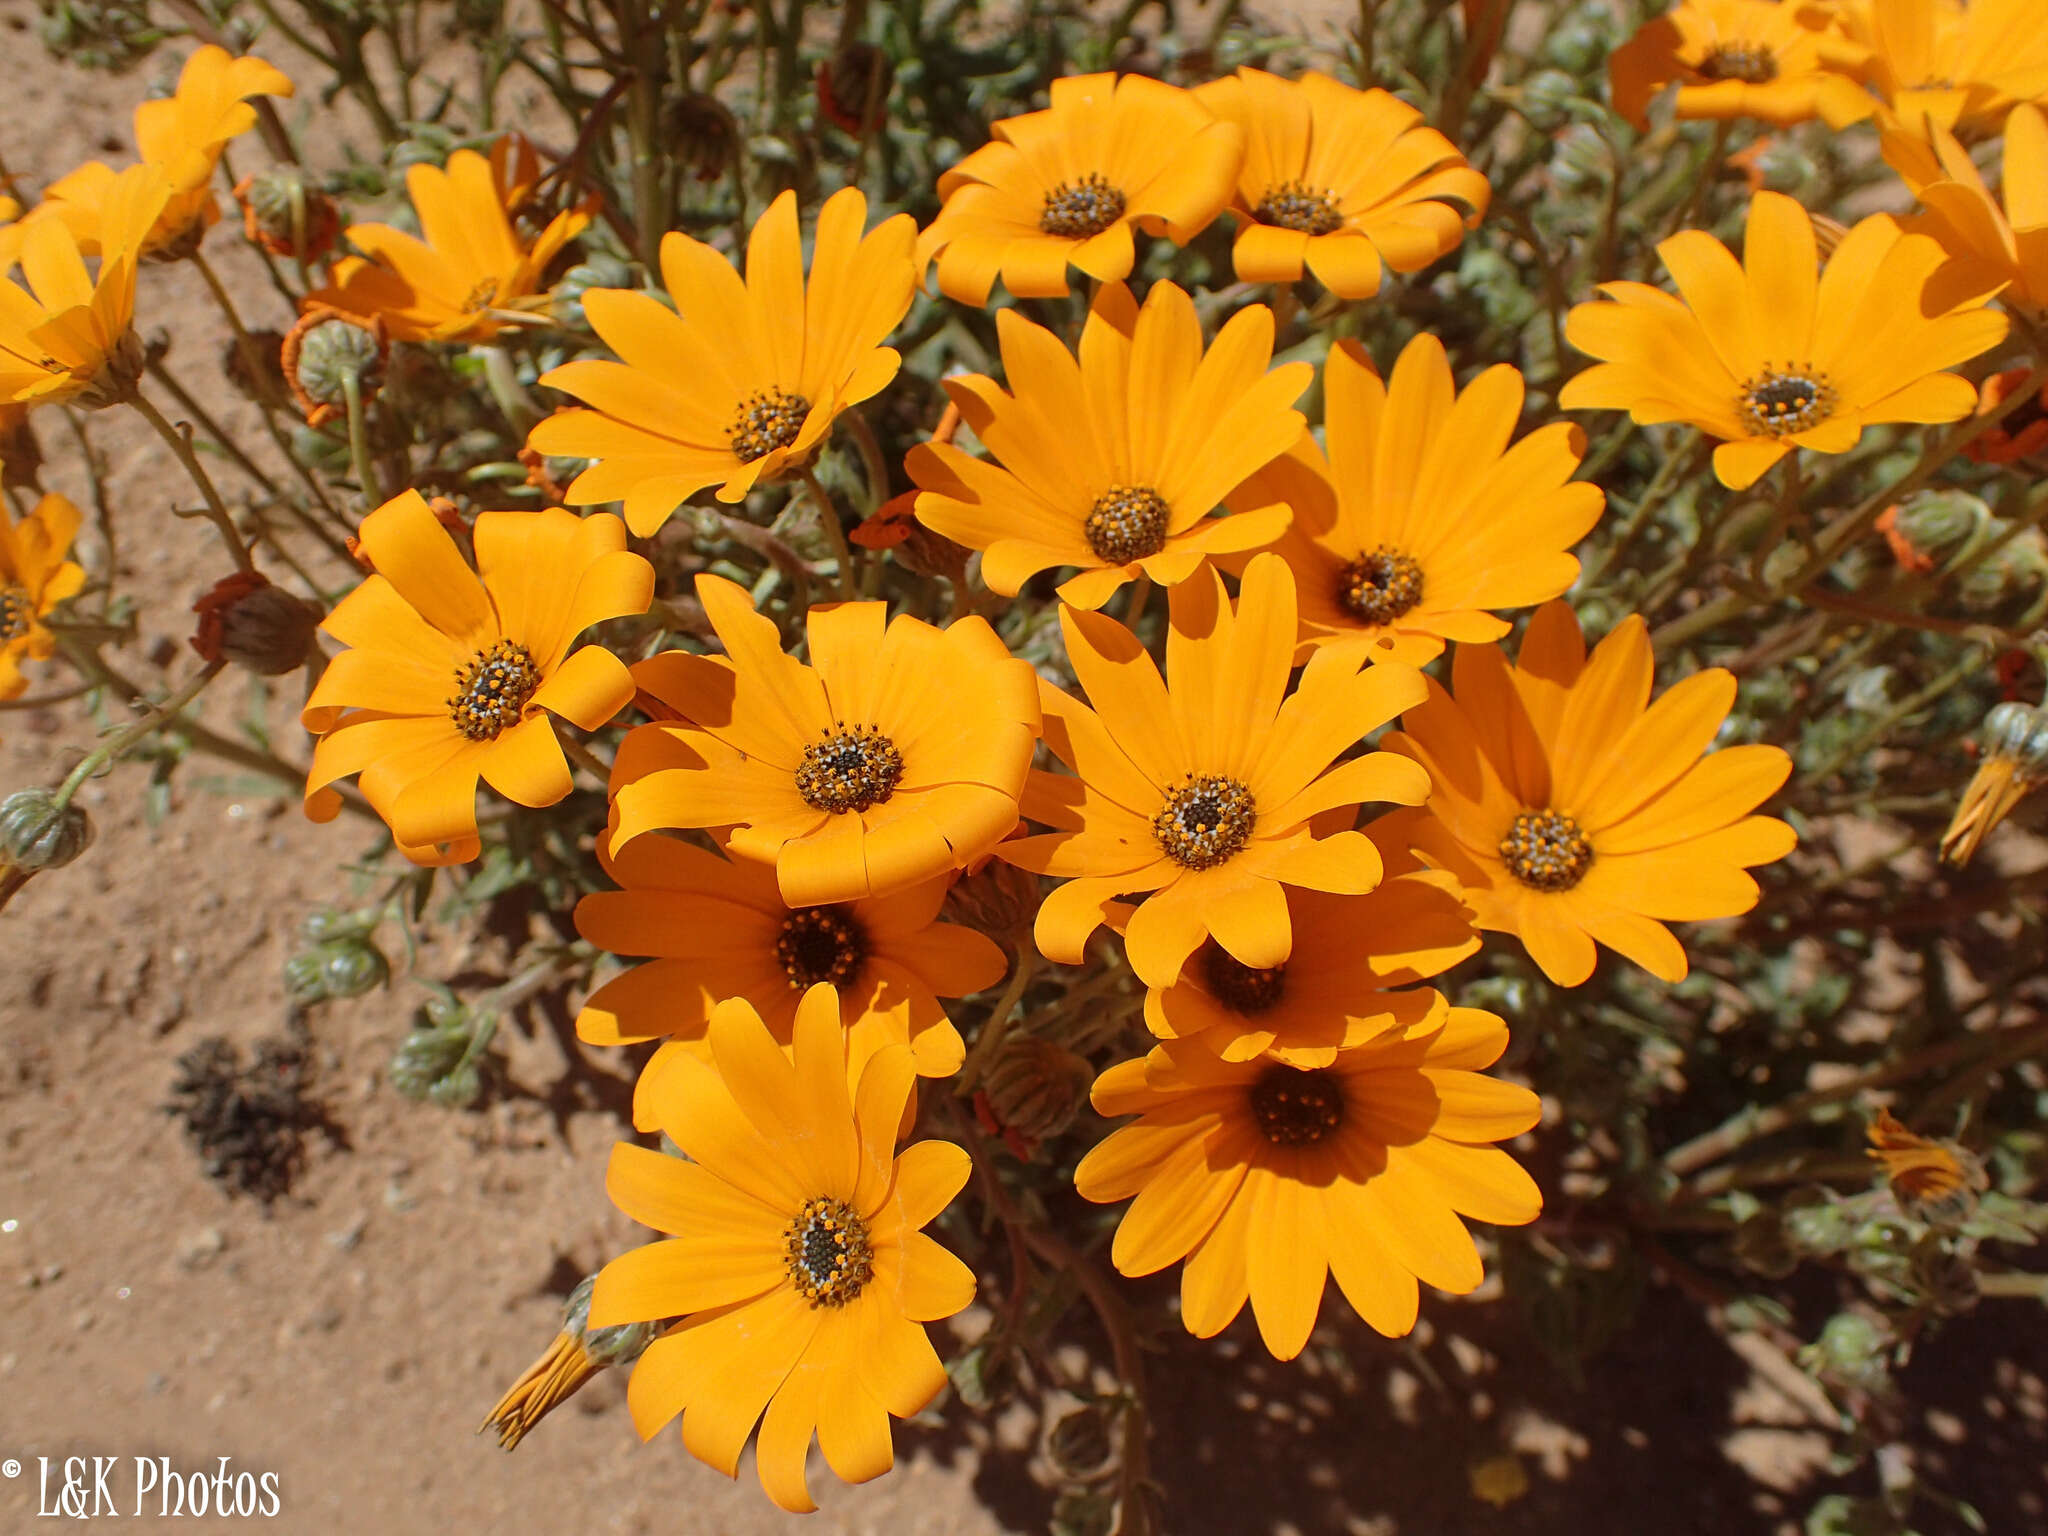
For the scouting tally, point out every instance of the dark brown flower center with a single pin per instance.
(17, 612)
(1296, 1108)
(1293, 205)
(491, 690)
(1127, 522)
(1546, 851)
(1079, 209)
(853, 768)
(768, 420)
(1379, 587)
(821, 944)
(1247, 989)
(1751, 63)
(1205, 821)
(830, 1257)
(1776, 404)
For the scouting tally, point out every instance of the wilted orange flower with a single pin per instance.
(36, 574)
(1270, 1178)
(1919, 1170)
(1572, 809)
(1954, 65)
(1736, 58)
(718, 928)
(1773, 354)
(1340, 181)
(451, 673)
(2015, 743)
(897, 755)
(2022, 433)
(1992, 244)
(68, 335)
(798, 1267)
(472, 274)
(1067, 186)
(1423, 519)
(182, 135)
(1114, 463)
(1201, 790)
(740, 383)
(1335, 988)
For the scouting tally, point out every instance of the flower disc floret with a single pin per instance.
(821, 944)
(771, 419)
(1077, 210)
(1783, 404)
(491, 690)
(1205, 821)
(1295, 1107)
(1546, 850)
(1127, 522)
(831, 1259)
(1292, 205)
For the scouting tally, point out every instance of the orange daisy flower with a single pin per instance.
(183, 136)
(36, 574)
(1335, 989)
(1571, 809)
(1202, 792)
(797, 1265)
(719, 928)
(472, 274)
(1957, 66)
(1423, 519)
(738, 385)
(1995, 244)
(1269, 1178)
(1773, 354)
(1735, 58)
(1066, 186)
(896, 756)
(451, 673)
(69, 334)
(1114, 462)
(1340, 181)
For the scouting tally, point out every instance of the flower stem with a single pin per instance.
(104, 754)
(181, 445)
(835, 531)
(997, 1025)
(359, 438)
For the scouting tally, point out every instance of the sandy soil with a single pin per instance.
(349, 1339)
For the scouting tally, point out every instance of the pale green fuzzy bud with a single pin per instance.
(36, 832)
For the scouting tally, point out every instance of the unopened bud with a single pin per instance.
(704, 138)
(323, 351)
(1926, 530)
(38, 831)
(286, 216)
(339, 968)
(578, 1353)
(246, 620)
(2014, 765)
(853, 87)
(999, 899)
(1036, 1086)
(1084, 1443)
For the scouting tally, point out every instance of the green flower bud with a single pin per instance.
(38, 833)
(339, 968)
(1581, 161)
(328, 352)
(425, 1057)
(2019, 732)
(1547, 99)
(1935, 525)
(1851, 1347)
(1579, 45)
(1083, 1443)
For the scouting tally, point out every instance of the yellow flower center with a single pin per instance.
(820, 944)
(850, 770)
(1077, 210)
(1379, 587)
(491, 690)
(17, 612)
(1546, 851)
(767, 420)
(1293, 205)
(1127, 522)
(830, 1257)
(1751, 63)
(1783, 404)
(1205, 821)
(1297, 1108)
(1246, 989)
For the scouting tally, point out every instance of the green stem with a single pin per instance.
(996, 1026)
(1686, 454)
(104, 754)
(359, 439)
(216, 509)
(835, 531)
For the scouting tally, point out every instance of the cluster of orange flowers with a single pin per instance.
(1313, 1107)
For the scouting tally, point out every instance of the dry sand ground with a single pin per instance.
(349, 1340)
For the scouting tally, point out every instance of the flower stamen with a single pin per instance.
(852, 769)
(820, 944)
(767, 420)
(1380, 586)
(1546, 850)
(1784, 404)
(830, 1256)
(17, 612)
(1081, 209)
(1295, 205)
(1297, 1108)
(1246, 989)
(1127, 522)
(1205, 821)
(492, 689)
(1751, 63)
